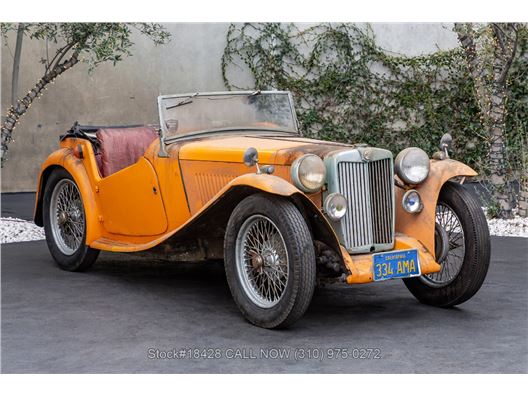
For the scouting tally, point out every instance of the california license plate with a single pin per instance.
(398, 264)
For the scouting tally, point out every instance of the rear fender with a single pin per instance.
(421, 225)
(84, 172)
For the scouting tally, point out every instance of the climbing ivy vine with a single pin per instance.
(347, 88)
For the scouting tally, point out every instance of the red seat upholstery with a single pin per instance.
(122, 147)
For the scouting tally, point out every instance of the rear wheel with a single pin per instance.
(269, 261)
(65, 223)
(462, 248)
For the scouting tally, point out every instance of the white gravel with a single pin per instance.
(18, 230)
(518, 227)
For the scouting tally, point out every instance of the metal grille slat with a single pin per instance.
(361, 202)
(368, 187)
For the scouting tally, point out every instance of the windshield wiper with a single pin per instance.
(183, 102)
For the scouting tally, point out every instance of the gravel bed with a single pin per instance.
(518, 226)
(18, 230)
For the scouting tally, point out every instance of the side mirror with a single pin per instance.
(251, 157)
(445, 143)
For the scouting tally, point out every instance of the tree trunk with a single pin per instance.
(22, 106)
(16, 63)
(495, 120)
(523, 199)
(491, 98)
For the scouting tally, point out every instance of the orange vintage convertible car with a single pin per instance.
(229, 176)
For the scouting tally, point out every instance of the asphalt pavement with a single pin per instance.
(130, 314)
(19, 205)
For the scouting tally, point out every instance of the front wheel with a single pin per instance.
(462, 248)
(65, 223)
(269, 261)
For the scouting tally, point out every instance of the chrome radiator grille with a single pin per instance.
(368, 187)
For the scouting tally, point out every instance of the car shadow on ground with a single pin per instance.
(206, 284)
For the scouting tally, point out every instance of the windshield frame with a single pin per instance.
(170, 139)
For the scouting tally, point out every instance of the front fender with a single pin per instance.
(421, 225)
(321, 228)
(263, 182)
(222, 204)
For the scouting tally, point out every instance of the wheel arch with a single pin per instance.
(213, 219)
(64, 159)
(421, 225)
(43, 180)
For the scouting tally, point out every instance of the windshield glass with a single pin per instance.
(189, 114)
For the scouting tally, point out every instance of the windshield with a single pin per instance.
(184, 115)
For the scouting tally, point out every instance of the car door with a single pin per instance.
(131, 201)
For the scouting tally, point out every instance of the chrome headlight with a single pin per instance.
(411, 202)
(412, 165)
(335, 206)
(308, 173)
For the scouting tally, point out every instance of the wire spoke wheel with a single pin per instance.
(269, 260)
(262, 261)
(450, 247)
(67, 217)
(461, 247)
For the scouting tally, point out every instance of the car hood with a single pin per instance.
(277, 150)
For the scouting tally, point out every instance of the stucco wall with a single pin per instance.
(126, 93)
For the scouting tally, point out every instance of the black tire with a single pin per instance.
(476, 258)
(300, 284)
(83, 257)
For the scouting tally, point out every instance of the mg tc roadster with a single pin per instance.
(228, 175)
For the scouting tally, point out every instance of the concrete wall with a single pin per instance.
(126, 93)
